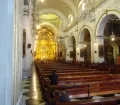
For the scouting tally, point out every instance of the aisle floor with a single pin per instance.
(31, 90)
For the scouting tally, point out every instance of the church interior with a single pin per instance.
(76, 40)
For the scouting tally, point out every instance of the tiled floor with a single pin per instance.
(31, 90)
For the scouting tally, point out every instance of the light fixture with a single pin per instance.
(85, 45)
(42, 1)
(95, 43)
(36, 37)
(37, 26)
(112, 36)
(36, 42)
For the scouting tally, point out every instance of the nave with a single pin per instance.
(85, 86)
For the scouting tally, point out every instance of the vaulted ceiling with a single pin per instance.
(60, 8)
(64, 6)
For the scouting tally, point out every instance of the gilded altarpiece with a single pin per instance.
(46, 45)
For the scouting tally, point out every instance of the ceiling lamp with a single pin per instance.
(112, 37)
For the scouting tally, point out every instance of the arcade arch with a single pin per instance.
(107, 27)
(85, 43)
(72, 43)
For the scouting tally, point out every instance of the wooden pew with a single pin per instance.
(78, 73)
(88, 90)
(102, 101)
(88, 78)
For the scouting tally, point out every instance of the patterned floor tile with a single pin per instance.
(25, 90)
(31, 90)
(26, 98)
(24, 82)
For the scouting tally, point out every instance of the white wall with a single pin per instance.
(6, 51)
(112, 6)
(27, 60)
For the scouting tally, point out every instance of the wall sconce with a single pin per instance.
(36, 42)
(95, 43)
(36, 37)
(85, 45)
(37, 26)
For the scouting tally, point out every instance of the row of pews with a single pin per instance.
(84, 86)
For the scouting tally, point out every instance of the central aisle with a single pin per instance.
(31, 90)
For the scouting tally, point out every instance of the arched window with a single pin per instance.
(83, 6)
(70, 18)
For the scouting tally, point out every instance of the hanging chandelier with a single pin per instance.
(112, 36)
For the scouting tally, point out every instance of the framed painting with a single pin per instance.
(101, 51)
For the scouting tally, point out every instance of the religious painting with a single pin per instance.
(24, 42)
(101, 51)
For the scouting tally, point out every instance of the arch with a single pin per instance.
(85, 39)
(100, 28)
(72, 37)
(73, 45)
(58, 13)
(81, 35)
(103, 20)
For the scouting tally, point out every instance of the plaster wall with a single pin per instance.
(10, 62)
(108, 7)
(27, 60)
(6, 46)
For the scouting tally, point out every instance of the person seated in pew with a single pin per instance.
(53, 78)
(64, 97)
